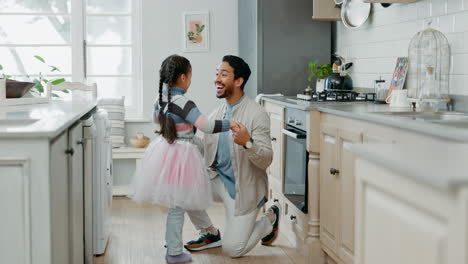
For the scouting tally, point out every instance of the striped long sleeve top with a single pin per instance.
(186, 115)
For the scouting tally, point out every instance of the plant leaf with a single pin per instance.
(55, 95)
(45, 80)
(66, 91)
(202, 28)
(54, 68)
(1, 67)
(37, 82)
(198, 27)
(40, 89)
(6, 76)
(39, 58)
(58, 81)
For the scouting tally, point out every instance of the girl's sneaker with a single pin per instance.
(181, 258)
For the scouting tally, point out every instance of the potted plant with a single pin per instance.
(320, 71)
(38, 83)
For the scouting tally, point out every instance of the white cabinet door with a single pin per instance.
(399, 220)
(347, 205)
(59, 199)
(75, 157)
(329, 188)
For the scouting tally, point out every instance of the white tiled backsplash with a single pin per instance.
(374, 47)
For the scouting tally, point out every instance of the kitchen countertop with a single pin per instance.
(42, 120)
(425, 163)
(368, 111)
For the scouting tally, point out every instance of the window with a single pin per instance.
(89, 41)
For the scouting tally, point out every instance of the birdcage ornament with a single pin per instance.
(429, 68)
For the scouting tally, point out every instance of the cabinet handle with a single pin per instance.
(273, 139)
(70, 151)
(334, 171)
(79, 142)
(293, 218)
(275, 200)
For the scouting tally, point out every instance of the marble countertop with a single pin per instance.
(375, 113)
(439, 165)
(42, 120)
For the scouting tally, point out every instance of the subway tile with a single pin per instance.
(446, 24)
(459, 63)
(461, 22)
(456, 41)
(424, 9)
(438, 7)
(454, 6)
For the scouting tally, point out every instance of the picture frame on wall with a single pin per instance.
(196, 31)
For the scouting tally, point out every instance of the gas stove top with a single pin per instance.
(336, 96)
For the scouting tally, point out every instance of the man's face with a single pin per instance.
(224, 81)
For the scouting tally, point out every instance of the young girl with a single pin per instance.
(172, 171)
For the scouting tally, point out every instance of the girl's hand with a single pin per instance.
(234, 125)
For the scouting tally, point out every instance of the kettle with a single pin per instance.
(339, 79)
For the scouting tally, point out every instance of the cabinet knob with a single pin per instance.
(70, 151)
(334, 171)
(273, 139)
(79, 142)
(293, 218)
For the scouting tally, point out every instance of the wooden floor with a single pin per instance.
(137, 235)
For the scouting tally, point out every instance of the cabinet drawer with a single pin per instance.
(293, 224)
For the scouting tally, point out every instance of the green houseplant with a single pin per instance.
(40, 81)
(320, 71)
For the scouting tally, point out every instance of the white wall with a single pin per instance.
(162, 35)
(375, 46)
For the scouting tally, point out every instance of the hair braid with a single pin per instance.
(171, 68)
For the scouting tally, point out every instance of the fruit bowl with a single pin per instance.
(17, 89)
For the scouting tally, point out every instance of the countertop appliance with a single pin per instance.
(278, 39)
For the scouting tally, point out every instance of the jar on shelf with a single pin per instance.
(429, 68)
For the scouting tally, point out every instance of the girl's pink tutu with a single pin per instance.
(172, 175)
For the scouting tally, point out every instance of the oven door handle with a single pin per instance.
(292, 134)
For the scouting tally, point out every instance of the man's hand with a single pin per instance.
(233, 126)
(241, 136)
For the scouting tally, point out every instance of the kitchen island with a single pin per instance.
(41, 182)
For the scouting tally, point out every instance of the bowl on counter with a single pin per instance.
(17, 89)
(140, 140)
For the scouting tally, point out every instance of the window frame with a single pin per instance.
(78, 46)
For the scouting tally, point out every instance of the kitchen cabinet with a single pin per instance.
(409, 210)
(276, 169)
(338, 181)
(337, 191)
(326, 10)
(41, 183)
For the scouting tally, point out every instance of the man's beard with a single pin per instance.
(227, 92)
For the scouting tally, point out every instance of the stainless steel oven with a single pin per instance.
(295, 169)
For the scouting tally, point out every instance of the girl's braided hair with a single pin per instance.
(171, 68)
